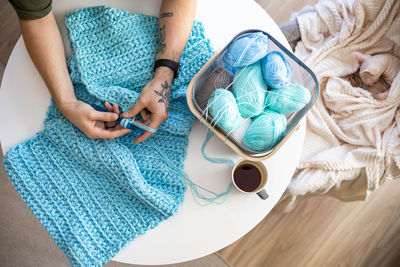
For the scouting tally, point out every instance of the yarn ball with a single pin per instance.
(289, 99)
(265, 131)
(250, 90)
(219, 78)
(247, 50)
(222, 107)
(276, 70)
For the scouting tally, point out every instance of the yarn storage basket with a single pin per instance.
(301, 74)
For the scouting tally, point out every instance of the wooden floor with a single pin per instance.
(320, 231)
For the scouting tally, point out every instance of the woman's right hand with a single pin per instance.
(93, 123)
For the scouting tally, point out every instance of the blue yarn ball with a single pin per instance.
(250, 90)
(247, 50)
(231, 69)
(276, 70)
(289, 99)
(222, 107)
(265, 131)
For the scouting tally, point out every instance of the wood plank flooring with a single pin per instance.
(322, 231)
(9, 32)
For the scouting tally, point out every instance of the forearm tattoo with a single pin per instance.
(161, 40)
(166, 15)
(161, 33)
(164, 95)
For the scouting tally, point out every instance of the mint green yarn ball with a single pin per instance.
(222, 107)
(250, 90)
(288, 99)
(265, 131)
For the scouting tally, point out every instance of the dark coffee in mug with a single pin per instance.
(247, 177)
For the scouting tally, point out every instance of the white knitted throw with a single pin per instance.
(352, 142)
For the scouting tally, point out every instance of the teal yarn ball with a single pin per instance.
(289, 99)
(250, 90)
(247, 50)
(265, 131)
(276, 70)
(222, 107)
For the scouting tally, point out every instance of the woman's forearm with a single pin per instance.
(176, 21)
(175, 24)
(44, 44)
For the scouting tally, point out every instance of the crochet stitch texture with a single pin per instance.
(94, 196)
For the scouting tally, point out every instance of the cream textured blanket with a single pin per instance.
(352, 142)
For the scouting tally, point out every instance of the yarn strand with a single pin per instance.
(192, 185)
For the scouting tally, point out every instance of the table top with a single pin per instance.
(195, 231)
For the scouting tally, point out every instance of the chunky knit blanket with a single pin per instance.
(352, 141)
(95, 196)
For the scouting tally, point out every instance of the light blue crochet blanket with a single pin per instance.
(94, 196)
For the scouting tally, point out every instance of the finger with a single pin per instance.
(109, 133)
(133, 111)
(108, 106)
(145, 115)
(115, 109)
(155, 122)
(102, 116)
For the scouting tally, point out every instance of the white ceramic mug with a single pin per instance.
(263, 173)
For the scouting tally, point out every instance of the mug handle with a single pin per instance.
(263, 194)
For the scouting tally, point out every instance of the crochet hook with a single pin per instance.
(128, 123)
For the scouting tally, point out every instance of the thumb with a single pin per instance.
(103, 116)
(134, 110)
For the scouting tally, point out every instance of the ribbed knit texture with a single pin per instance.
(352, 142)
(94, 196)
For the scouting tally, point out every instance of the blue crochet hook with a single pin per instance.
(128, 123)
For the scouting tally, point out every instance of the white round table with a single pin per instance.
(195, 231)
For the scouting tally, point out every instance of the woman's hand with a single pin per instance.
(93, 123)
(153, 104)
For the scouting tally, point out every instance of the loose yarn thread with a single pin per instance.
(192, 185)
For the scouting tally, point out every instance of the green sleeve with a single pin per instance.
(31, 9)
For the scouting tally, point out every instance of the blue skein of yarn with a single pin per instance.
(222, 107)
(231, 69)
(289, 99)
(276, 70)
(265, 131)
(247, 50)
(250, 90)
